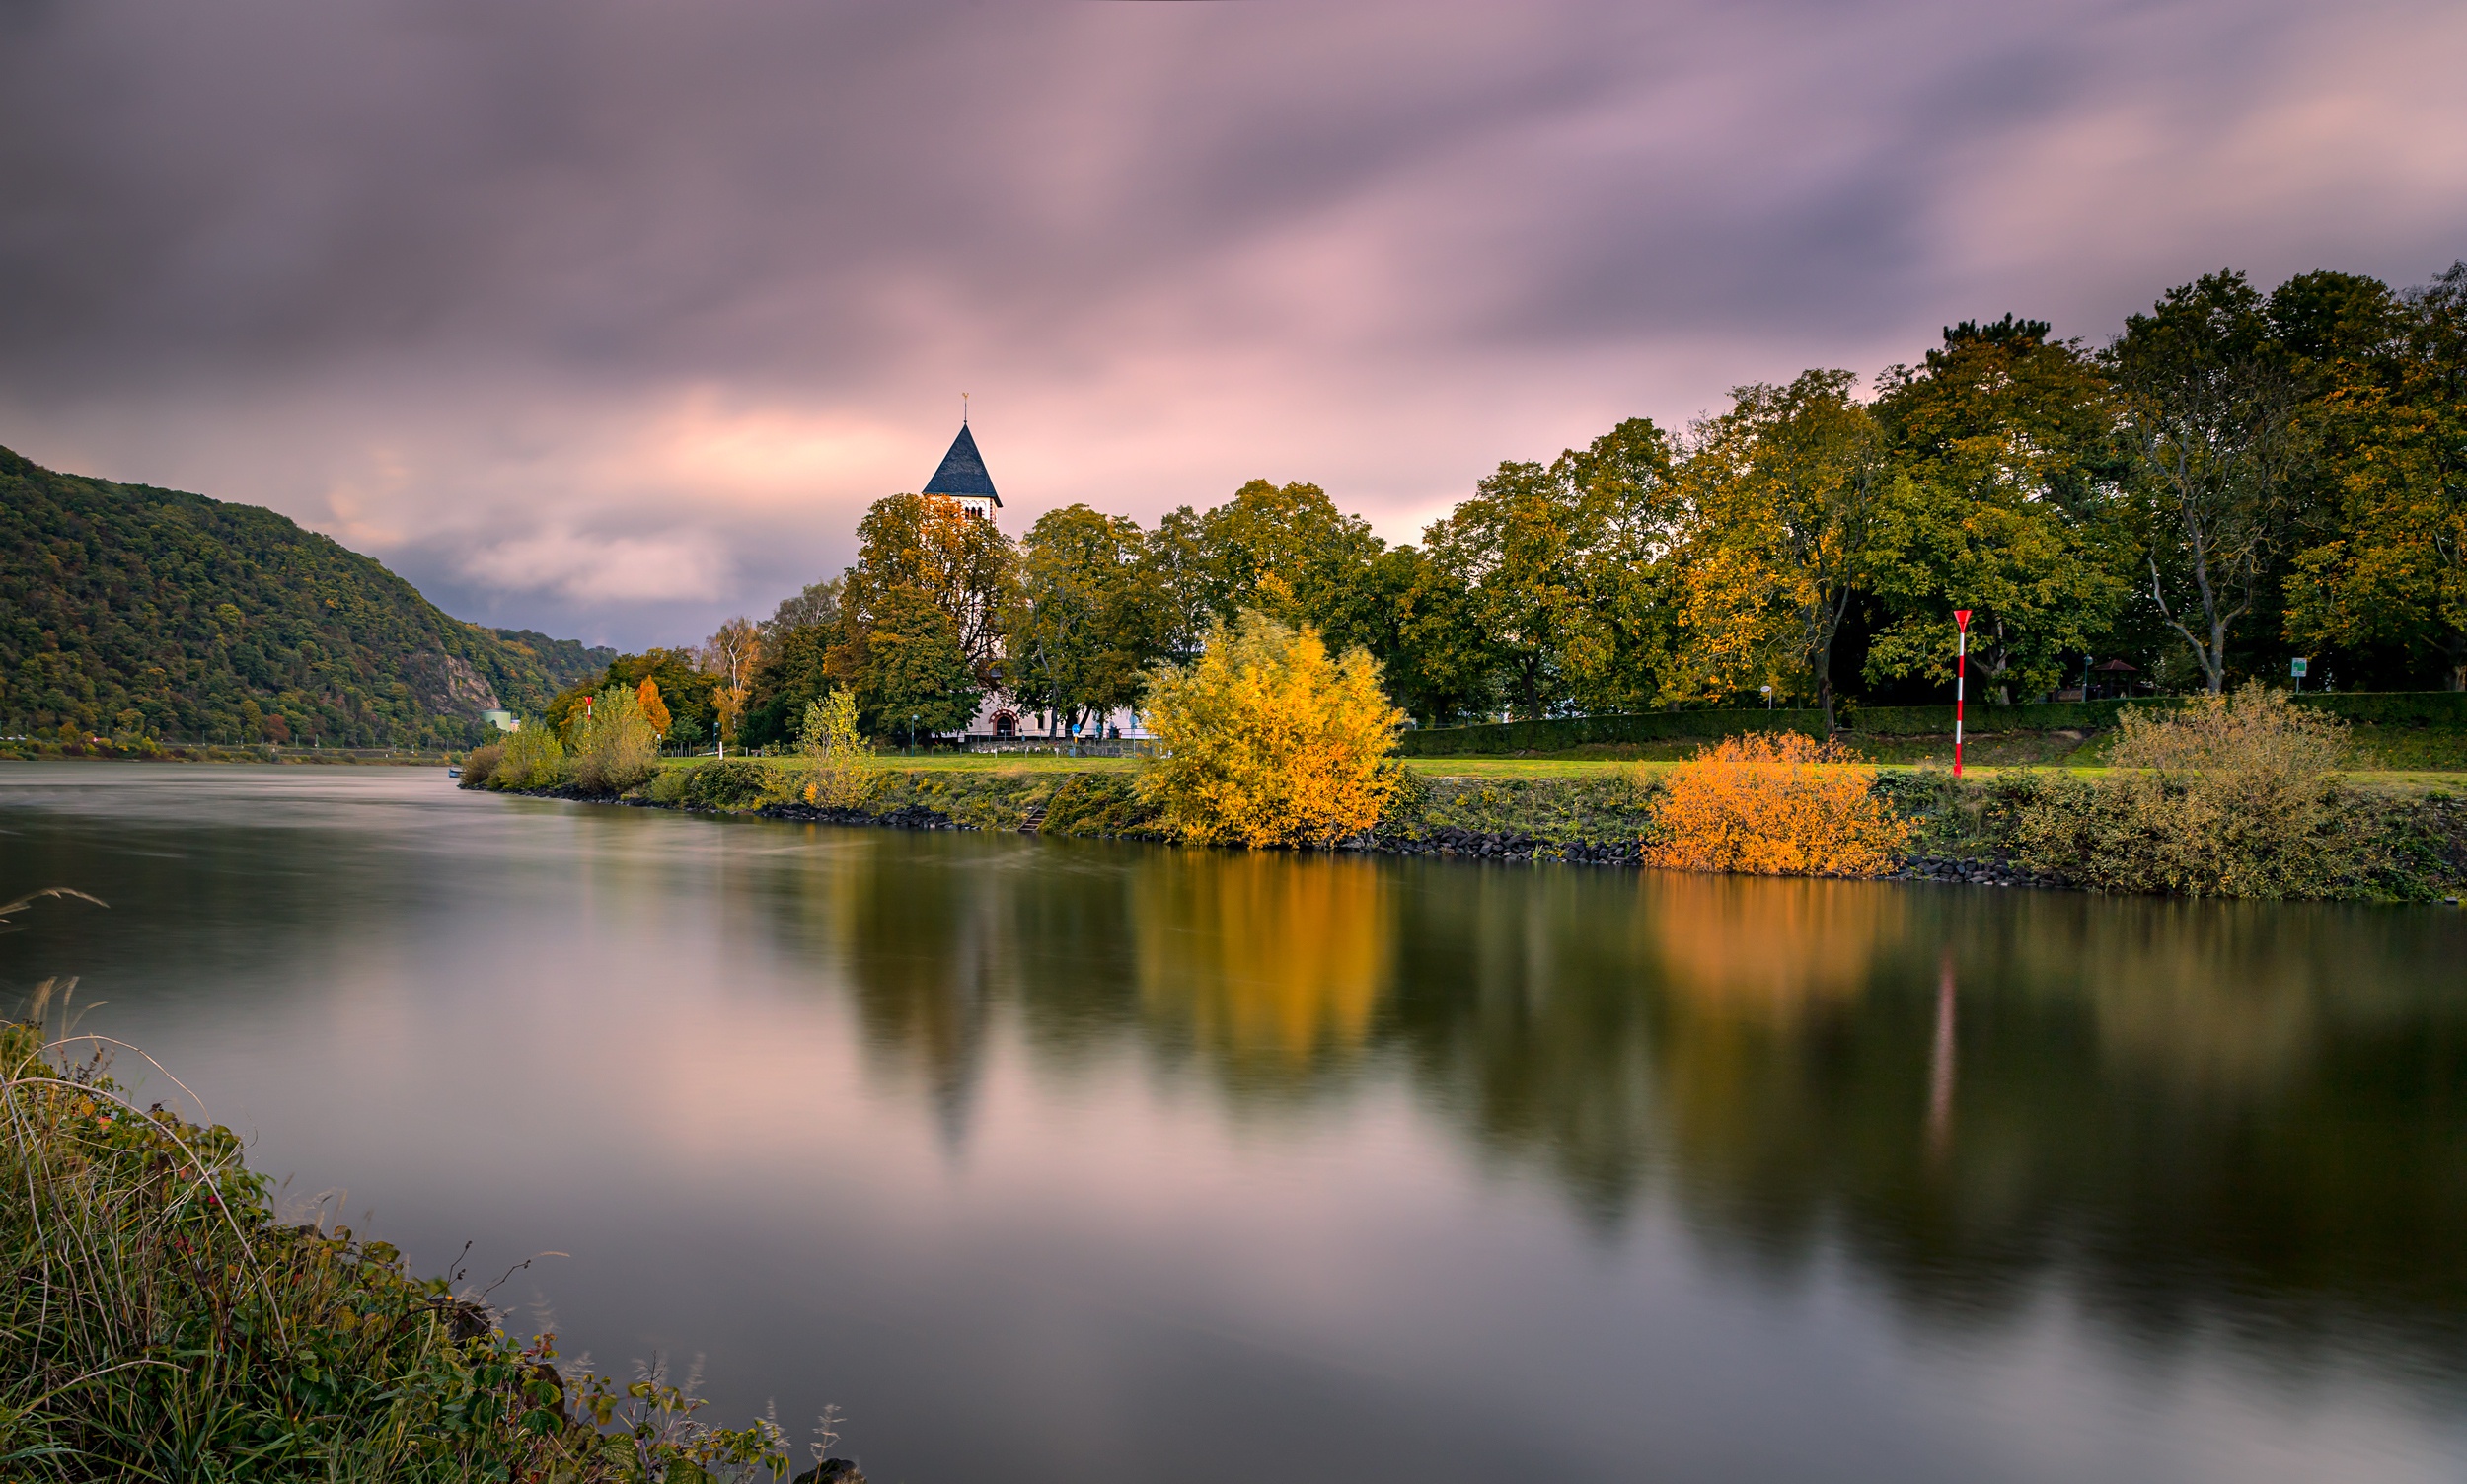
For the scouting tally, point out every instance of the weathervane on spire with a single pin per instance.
(962, 476)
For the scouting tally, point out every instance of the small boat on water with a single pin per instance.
(454, 773)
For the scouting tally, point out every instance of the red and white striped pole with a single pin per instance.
(1961, 675)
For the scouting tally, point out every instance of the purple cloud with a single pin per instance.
(611, 318)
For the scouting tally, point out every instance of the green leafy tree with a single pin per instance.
(682, 686)
(794, 673)
(2003, 504)
(1557, 567)
(2392, 567)
(1415, 625)
(2209, 407)
(1081, 624)
(917, 679)
(532, 757)
(913, 546)
(1179, 575)
(1287, 551)
(1781, 496)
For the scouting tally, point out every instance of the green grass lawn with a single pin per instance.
(955, 762)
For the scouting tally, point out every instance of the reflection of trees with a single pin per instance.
(919, 950)
(1524, 1001)
(1271, 965)
(2250, 1114)
(2191, 1107)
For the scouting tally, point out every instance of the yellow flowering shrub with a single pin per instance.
(1775, 804)
(1266, 740)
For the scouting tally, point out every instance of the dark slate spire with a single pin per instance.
(962, 475)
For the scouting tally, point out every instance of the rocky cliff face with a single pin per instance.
(447, 685)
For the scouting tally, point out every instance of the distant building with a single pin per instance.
(962, 476)
(505, 721)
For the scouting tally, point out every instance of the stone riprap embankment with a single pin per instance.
(1601, 819)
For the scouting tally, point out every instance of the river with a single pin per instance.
(1055, 1160)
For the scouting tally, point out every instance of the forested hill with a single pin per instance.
(129, 611)
(565, 660)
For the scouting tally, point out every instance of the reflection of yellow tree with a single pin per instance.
(1769, 949)
(1749, 964)
(1271, 958)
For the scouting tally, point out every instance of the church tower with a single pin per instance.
(962, 476)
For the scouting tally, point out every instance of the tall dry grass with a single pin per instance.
(158, 1322)
(2231, 795)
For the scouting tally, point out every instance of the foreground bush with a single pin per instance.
(614, 747)
(158, 1324)
(737, 783)
(533, 759)
(1267, 741)
(477, 766)
(1775, 804)
(2231, 796)
(843, 773)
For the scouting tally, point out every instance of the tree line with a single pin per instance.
(2233, 480)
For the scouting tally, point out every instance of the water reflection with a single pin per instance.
(2258, 1116)
(1737, 949)
(1149, 1154)
(1272, 966)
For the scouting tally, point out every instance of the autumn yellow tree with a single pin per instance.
(1268, 740)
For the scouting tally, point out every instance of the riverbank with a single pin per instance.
(2412, 838)
(303, 1350)
(147, 750)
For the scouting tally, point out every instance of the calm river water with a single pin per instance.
(1051, 1160)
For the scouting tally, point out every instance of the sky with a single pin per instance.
(610, 317)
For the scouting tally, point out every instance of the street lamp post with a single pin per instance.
(1960, 677)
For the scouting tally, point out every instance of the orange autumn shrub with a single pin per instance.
(1775, 804)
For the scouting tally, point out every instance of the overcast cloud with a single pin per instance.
(610, 317)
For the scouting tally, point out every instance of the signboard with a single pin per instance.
(2298, 667)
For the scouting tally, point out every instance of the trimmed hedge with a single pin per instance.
(2364, 708)
(1577, 731)
(2038, 716)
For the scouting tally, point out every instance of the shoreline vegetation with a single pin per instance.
(148, 750)
(162, 1320)
(2242, 795)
